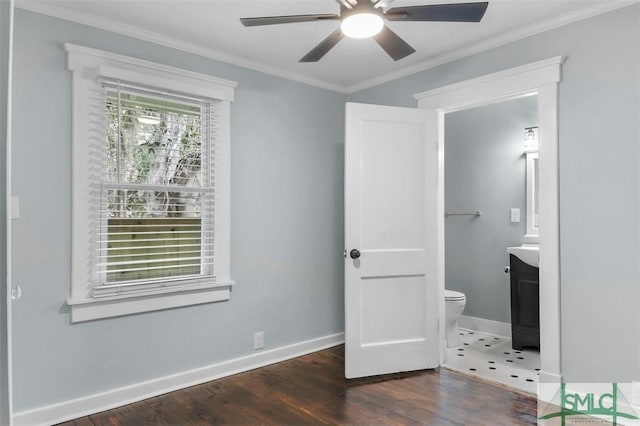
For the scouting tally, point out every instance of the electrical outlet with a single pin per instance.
(258, 340)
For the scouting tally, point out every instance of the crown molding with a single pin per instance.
(501, 75)
(491, 43)
(49, 9)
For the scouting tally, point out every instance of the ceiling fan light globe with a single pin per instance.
(362, 25)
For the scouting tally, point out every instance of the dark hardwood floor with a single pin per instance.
(312, 390)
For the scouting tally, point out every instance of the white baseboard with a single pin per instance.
(545, 377)
(548, 384)
(91, 404)
(502, 329)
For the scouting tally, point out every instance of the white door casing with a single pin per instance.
(391, 292)
(540, 78)
(7, 293)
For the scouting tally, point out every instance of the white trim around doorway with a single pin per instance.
(538, 78)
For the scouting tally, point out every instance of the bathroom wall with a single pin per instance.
(599, 163)
(485, 169)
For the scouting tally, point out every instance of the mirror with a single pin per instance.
(533, 195)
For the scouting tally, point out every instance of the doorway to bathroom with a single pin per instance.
(487, 203)
(541, 78)
(423, 186)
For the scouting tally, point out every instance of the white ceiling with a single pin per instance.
(212, 28)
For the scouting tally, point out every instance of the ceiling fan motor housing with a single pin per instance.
(361, 7)
(362, 21)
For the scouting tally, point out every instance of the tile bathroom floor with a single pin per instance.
(492, 358)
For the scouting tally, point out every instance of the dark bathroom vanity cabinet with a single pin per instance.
(525, 304)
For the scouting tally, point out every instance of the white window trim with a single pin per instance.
(87, 66)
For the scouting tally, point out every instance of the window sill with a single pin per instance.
(106, 307)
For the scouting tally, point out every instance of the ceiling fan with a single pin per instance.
(365, 18)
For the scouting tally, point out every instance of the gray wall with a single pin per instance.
(286, 236)
(5, 11)
(599, 180)
(485, 169)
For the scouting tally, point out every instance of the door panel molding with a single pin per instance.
(391, 298)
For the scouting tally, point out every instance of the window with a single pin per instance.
(150, 186)
(156, 200)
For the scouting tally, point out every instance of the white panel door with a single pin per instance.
(391, 294)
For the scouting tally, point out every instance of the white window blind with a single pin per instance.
(154, 208)
(149, 141)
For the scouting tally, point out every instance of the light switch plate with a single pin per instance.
(515, 215)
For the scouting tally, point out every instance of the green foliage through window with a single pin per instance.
(152, 187)
(151, 141)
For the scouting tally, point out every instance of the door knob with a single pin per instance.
(354, 254)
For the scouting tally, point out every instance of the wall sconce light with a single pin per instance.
(531, 139)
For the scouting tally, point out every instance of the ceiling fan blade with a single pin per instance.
(391, 42)
(455, 12)
(325, 45)
(345, 3)
(382, 4)
(272, 20)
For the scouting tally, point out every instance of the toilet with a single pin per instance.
(454, 302)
